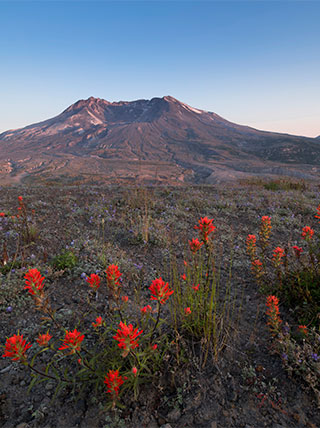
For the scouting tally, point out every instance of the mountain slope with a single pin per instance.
(160, 139)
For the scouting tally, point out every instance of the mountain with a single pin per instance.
(157, 140)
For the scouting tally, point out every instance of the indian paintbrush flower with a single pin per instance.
(205, 228)
(16, 348)
(160, 290)
(72, 340)
(307, 233)
(43, 339)
(277, 256)
(34, 282)
(127, 337)
(195, 245)
(273, 314)
(94, 281)
(98, 323)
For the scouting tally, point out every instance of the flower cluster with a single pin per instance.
(72, 340)
(273, 314)
(16, 348)
(126, 336)
(205, 228)
(307, 233)
(318, 213)
(160, 290)
(98, 323)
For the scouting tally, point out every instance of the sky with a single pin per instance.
(255, 62)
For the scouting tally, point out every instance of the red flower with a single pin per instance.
(187, 311)
(195, 245)
(251, 246)
(34, 281)
(297, 250)
(154, 347)
(184, 277)
(277, 256)
(113, 382)
(205, 227)
(73, 341)
(257, 268)
(20, 198)
(185, 263)
(125, 298)
(16, 347)
(113, 274)
(160, 290)
(146, 309)
(126, 337)
(196, 287)
(43, 339)
(318, 213)
(307, 233)
(303, 329)
(94, 281)
(98, 322)
(2, 214)
(134, 371)
(273, 314)
(265, 230)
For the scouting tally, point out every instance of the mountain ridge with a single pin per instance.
(161, 140)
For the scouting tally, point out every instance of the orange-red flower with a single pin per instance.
(154, 347)
(146, 309)
(2, 214)
(113, 381)
(184, 276)
(205, 228)
(98, 322)
(195, 245)
(113, 274)
(125, 298)
(318, 213)
(273, 314)
(43, 339)
(251, 246)
(303, 329)
(257, 268)
(34, 281)
(265, 230)
(20, 198)
(196, 287)
(277, 256)
(16, 348)
(160, 290)
(134, 371)
(187, 311)
(297, 250)
(126, 336)
(307, 233)
(72, 340)
(94, 281)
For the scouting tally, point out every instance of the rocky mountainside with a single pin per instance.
(157, 140)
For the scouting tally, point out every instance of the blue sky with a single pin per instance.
(255, 63)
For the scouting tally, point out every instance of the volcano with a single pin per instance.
(161, 140)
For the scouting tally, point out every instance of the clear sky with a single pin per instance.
(255, 63)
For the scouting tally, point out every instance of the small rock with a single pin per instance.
(174, 415)
(153, 424)
(166, 426)
(23, 425)
(22, 383)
